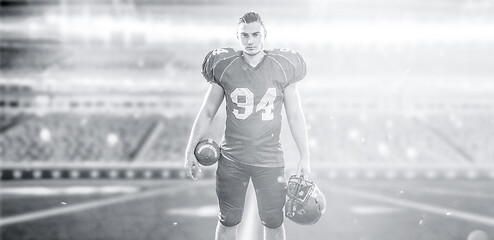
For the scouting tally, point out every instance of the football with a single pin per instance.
(207, 152)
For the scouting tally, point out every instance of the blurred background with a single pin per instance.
(395, 88)
(389, 82)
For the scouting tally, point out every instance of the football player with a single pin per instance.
(256, 84)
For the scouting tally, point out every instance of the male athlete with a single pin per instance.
(256, 83)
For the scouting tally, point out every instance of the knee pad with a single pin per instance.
(231, 217)
(272, 219)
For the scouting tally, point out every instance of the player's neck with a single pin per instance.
(253, 60)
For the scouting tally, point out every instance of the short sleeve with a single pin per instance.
(207, 67)
(214, 61)
(292, 63)
(300, 68)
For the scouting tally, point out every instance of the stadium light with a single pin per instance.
(411, 153)
(383, 149)
(112, 139)
(45, 135)
(87, 25)
(55, 174)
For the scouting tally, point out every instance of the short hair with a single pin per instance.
(251, 17)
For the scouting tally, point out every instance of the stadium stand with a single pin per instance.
(470, 134)
(378, 138)
(65, 137)
(383, 139)
(73, 113)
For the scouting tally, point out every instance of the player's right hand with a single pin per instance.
(303, 168)
(192, 167)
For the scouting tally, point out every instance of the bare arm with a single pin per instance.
(298, 128)
(212, 101)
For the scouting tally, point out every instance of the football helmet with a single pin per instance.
(306, 203)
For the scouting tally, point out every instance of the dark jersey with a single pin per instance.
(254, 101)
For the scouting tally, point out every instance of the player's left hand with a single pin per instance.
(303, 168)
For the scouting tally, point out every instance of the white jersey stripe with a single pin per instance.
(281, 67)
(234, 60)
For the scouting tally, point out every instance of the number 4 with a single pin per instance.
(266, 103)
(219, 51)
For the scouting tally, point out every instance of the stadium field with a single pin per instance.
(97, 100)
(363, 209)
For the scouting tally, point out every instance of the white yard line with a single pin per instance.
(459, 193)
(67, 209)
(446, 212)
(67, 191)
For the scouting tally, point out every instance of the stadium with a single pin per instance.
(97, 100)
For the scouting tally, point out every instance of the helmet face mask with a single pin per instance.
(306, 203)
(299, 189)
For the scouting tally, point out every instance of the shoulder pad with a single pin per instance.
(283, 50)
(288, 53)
(219, 54)
(213, 58)
(293, 63)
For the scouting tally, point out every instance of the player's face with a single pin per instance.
(251, 37)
